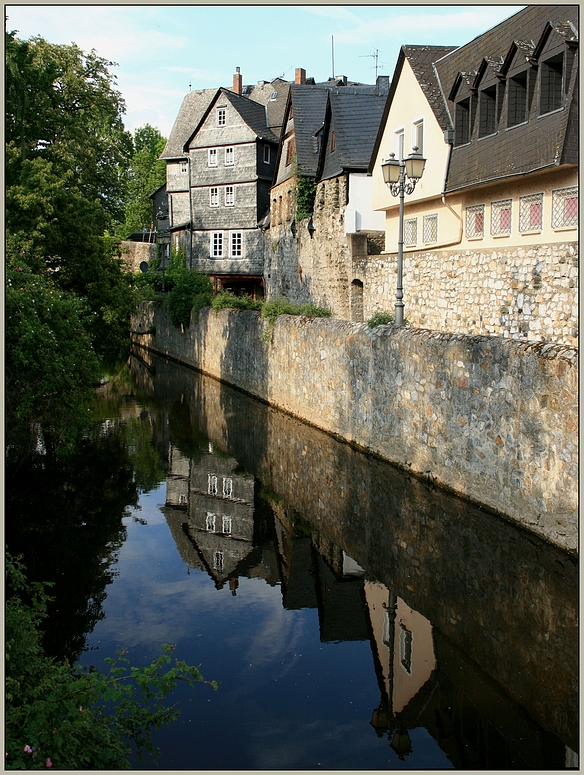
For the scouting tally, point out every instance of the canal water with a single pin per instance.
(352, 616)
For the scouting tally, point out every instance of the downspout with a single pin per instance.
(458, 240)
(190, 215)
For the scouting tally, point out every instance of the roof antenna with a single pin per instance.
(333, 53)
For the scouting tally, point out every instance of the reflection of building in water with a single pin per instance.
(221, 523)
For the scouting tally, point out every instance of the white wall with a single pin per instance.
(359, 215)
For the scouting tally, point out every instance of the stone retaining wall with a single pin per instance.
(520, 293)
(492, 419)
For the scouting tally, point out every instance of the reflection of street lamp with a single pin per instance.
(164, 241)
(401, 177)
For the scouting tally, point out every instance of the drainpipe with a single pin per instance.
(190, 215)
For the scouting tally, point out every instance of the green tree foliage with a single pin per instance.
(67, 156)
(191, 291)
(69, 718)
(147, 173)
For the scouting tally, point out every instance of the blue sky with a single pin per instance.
(160, 50)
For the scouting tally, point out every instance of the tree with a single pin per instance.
(147, 173)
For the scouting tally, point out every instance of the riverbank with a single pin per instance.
(493, 420)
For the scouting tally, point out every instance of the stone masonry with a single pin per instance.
(491, 419)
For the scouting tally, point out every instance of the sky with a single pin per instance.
(161, 52)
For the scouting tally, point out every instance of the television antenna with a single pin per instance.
(375, 56)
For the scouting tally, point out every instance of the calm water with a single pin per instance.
(353, 617)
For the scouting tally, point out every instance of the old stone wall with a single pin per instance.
(492, 419)
(521, 293)
(133, 253)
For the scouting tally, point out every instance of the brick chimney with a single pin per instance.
(237, 82)
(300, 76)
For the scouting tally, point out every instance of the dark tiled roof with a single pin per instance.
(191, 111)
(309, 109)
(422, 59)
(355, 119)
(254, 114)
(535, 145)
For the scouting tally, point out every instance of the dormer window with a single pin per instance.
(551, 84)
(517, 100)
(462, 122)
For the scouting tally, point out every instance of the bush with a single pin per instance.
(305, 196)
(70, 718)
(228, 300)
(279, 306)
(380, 318)
(192, 291)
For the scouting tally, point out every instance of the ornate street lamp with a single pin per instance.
(401, 177)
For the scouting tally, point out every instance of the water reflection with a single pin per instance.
(472, 622)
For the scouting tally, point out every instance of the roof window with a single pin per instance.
(462, 122)
(551, 85)
(517, 100)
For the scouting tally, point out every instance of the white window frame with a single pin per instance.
(218, 558)
(399, 143)
(496, 209)
(212, 484)
(229, 196)
(235, 237)
(221, 115)
(525, 205)
(214, 196)
(417, 126)
(212, 157)
(471, 223)
(560, 218)
(229, 156)
(429, 225)
(217, 246)
(411, 231)
(267, 154)
(184, 167)
(210, 522)
(227, 525)
(227, 487)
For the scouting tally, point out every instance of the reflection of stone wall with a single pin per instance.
(507, 600)
(492, 419)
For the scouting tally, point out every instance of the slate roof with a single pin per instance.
(191, 111)
(309, 104)
(355, 119)
(542, 142)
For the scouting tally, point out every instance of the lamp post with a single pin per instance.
(401, 177)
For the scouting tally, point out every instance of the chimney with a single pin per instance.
(237, 82)
(300, 76)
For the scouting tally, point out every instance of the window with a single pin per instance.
(475, 221)
(216, 244)
(229, 196)
(212, 484)
(267, 154)
(418, 135)
(410, 231)
(184, 166)
(551, 84)
(430, 228)
(227, 525)
(289, 152)
(218, 560)
(531, 213)
(405, 648)
(488, 111)
(332, 140)
(517, 100)
(221, 117)
(182, 500)
(399, 144)
(212, 157)
(210, 522)
(462, 122)
(501, 217)
(229, 156)
(236, 244)
(214, 196)
(227, 488)
(565, 207)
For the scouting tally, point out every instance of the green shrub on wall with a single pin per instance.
(305, 195)
(192, 292)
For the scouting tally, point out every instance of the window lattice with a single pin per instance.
(221, 117)
(214, 197)
(227, 525)
(430, 228)
(410, 231)
(227, 488)
(565, 207)
(212, 157)
(217, 244)
(184, 166)
(218, 560)
(229, 157)
(531, 212)
(236, 244)
(475, 221)
(501, 217)
(210, 522)
(212, 484)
